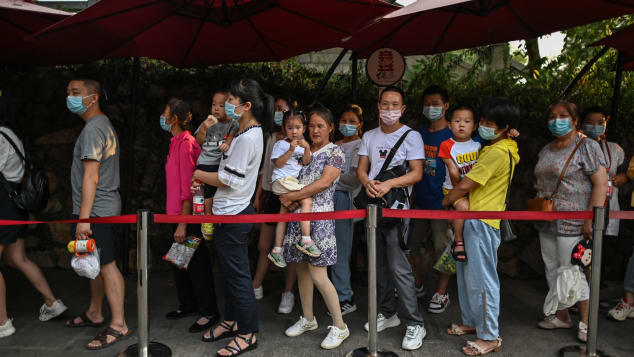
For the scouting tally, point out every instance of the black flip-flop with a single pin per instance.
(236, 351)
(85, 322)
(229, 333)
(103, 338)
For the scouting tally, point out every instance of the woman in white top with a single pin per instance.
(12, 237)
(268, 203)
(350, 125)
(236, 179)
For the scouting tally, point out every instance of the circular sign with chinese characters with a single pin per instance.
(385, 67)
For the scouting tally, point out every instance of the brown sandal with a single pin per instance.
(103, 338)
(477, 350)
(456, 330)
(85, 322)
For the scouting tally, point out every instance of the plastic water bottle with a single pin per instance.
(207, 229)
(199, 201)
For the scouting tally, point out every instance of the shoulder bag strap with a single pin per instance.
(511, 172)
(563, 171)
(393, 151)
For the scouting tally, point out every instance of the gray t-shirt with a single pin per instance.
(614, 156)
(216, 136)
(575, 188)
(98, 141)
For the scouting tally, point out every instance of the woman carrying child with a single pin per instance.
(487, 184)
(320, 178)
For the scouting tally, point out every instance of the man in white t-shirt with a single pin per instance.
(393, 268)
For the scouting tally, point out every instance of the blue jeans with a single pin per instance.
(478, 282)
(233, 252)
(344, 231)
(629, 275)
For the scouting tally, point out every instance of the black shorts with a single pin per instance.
(8, 210)
(209, 189)
(272, 205)
(105, 239)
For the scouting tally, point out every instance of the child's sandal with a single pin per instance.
(459, 256)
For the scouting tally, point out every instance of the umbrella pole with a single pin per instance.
(125, 245)
(616, 96)
(583, 71)
(354, 77)
(324, 81)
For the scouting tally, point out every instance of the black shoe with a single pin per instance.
(179, 314)
(347, 307)
(195, 327)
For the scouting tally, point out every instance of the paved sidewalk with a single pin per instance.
(521, 306)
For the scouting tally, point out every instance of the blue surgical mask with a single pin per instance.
(560, 126)
(487, 133)
(432, 113)
(164, 125)
(348, 129)
(278, 118)
(593, 131)
(75, 104)
(230, 110)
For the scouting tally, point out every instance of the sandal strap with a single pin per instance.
(226, 326)
(248, 340)
(103, 336)
(475, 348)
(459, 243)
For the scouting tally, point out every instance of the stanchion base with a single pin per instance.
(577, 351)
(155, 349)
(364, 352)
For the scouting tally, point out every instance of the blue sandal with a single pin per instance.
(236, 351)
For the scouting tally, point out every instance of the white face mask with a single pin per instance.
(390, 117)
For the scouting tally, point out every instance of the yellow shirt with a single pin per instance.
(492, 173)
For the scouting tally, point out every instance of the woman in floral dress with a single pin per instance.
(320, 177)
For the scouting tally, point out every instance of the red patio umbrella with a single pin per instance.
(206, 32)
(622, 40)
(415, 30)
(19, 19)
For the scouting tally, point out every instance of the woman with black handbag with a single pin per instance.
(12, 237)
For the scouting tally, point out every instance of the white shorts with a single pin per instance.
(285, 185)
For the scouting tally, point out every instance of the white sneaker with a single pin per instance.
(582, 332)
(287, 303)
(335, 337)
(413, 337)
(51, 312)
(438, 303)
(382, 322)
(301, 326)
(7, 329)
(621, 311)
(259, 292)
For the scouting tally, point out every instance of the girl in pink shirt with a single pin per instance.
(195, 285)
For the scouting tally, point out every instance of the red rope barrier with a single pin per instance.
(350, 214)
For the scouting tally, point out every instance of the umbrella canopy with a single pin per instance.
(19, 19)
(417, 30)
(206, 32)
(622, 40)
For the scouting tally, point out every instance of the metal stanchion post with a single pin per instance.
(599, 224)
(144, 348)
(372, 349)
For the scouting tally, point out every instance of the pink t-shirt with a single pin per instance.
(179, 169)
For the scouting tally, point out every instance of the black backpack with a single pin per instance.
(32, 195)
